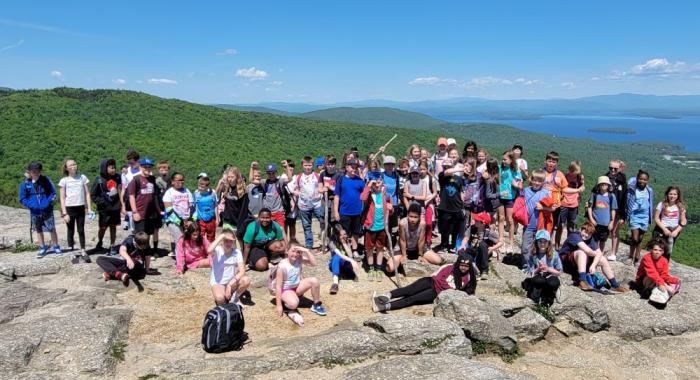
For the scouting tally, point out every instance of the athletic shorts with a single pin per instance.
(278, 216)
(375, 239)
(208, 229)
(352, 224)
(147, 225)
(44, 221)
(601, 233)
(568, 215)
(412, 254)
(507, 203)
(109, 219)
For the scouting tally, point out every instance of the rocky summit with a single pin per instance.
(62, 320)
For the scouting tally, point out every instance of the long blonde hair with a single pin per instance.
(239, 181)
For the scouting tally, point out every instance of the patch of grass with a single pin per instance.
(149, 376)
(508, 356)
(545, 311)
(118, 349)
(24, 247)
(514, 290)
(435, 342)
(329, 363)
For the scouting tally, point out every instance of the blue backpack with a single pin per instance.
(205, 204)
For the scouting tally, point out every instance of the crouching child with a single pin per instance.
(132, 263)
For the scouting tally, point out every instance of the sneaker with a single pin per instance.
(124, 278)
(318, 309)
(620, 289)
(382, 299)
(612, 258)
(85, 258)
(557, 295)
(378, 275)
(57, 250)
(75, 259)
(484, 276)
(583, 285)
(125, 226)
(43, 251)
(334, 289)
(106, 276)
(356, 256)
(378, 306)
(370, 275)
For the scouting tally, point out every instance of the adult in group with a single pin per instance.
(618, 187)
(347, 205)
(262, 241)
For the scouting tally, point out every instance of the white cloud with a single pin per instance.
(478, 82)
(56, 74)
(595, 78)
(119, 81)
(488, 81)
(252, 73)
(568, 85)
(432, 81)
(227, 52)
(527, 82)
(16, 44)
(161, 81)
(657, 67)
(276, 83)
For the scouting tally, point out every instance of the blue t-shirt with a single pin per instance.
(533, 197)
(506, 183)
(350, 190)
(602, 206)
(571, 243)
(390, 184)
(534, 262)
(378, 222)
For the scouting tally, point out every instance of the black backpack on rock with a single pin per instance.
(223, 329)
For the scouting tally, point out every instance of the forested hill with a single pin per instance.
(48, 125)
(383, 116)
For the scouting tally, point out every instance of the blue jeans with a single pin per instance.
(306, 217)
(340, 267)
(528, 240)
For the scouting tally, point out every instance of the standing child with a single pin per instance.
(619, 188)
(491, 183)
(106, 193)
(640, 198)
(653, 272)
(191, 250)
(234, 198)
(670, 217)
(132, 160)
(205, 202)
(133, 260)
(555, 181)
(163, 181)
(451, 218)
(178, 202)
(307, 188)
(511, 182)
(378, 206)
(75, 204)
(544, 269)
(143, 197)
(341, 263)
(228, 279)
(568, 213)
(601, 210)
(534, 196)
(290, 285)
(37, 193)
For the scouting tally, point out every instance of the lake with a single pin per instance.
(684, 131)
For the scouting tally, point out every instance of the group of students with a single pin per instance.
(380, 212)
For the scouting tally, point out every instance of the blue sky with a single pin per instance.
(314, 51)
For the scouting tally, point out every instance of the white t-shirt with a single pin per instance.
(223, 266)
(521, 164)
(181, 201)
(309, 197)
(130, 174)
(670, 216)
(75, 189)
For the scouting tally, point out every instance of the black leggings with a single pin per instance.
(540, 288)
(76, 214)
(449, 224)
(418, 293)
(113, 265)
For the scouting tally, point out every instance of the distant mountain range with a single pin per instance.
(469, 108)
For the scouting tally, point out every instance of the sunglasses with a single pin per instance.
(611, 168)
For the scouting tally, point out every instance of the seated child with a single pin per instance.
(653, 271)
(481, 240)
(290, 285)
(341, 262)
(412, 235)
(460, 276)
(581, 255)
(544, 268)
(133, 260)
(191, 250)
(228, 279)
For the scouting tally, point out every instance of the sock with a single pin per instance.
(582, 276)
(335, 279)
(614, 283)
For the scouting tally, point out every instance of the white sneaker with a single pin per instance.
(612, 258)
(557, 295)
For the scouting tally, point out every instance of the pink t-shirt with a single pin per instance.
(188, 253)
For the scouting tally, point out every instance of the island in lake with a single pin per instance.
(619, 131)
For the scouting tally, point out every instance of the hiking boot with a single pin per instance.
(620, 289)
(42, 252)
(583, 285)
(318, 309)
(57, 250)
(334, 289)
